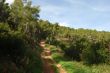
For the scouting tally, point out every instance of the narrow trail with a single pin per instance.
(46, 58)
(61, 70)
(48, 61)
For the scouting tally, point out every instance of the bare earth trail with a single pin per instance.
(48, 61)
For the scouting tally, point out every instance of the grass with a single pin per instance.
(47, 46)
(55, 69)
(78, 67)
(57, 57)
(52, 50)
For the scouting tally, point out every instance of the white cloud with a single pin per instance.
(77, 13)
(9, 1)
(63, 24)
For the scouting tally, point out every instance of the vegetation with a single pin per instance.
(21, 30)
(89, 46)
(78, 67)
(55, 69)
(19, 51)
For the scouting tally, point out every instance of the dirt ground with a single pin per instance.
(48, 61)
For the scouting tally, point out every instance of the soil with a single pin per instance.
(48, 61)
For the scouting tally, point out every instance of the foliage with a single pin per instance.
(4, 11)
(57, 57)
(80, 44)
(55, 69)
(21, 30)
(18, 44)
(78, 67)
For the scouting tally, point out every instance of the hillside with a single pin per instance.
(67, 49)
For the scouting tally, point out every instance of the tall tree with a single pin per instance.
(16, 14)
(4, 11)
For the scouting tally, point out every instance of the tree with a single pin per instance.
(16, 14)
(4, 11)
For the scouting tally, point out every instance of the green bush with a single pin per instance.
(74, 51)
(95, 53)
(12, 48)
(89, 50)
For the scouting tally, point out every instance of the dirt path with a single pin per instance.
(48, 61)
(61, 70)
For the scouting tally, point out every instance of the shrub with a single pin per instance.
(94, 53)
(12, 46)
(75, 49)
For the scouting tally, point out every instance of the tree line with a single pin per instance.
(89, 46)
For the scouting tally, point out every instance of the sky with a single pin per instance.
(88, 14)
(9, 1)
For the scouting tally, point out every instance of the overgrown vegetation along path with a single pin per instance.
(48, 61)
